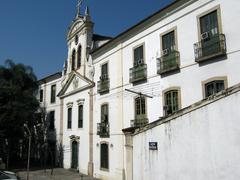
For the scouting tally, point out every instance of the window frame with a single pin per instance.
(173, 29)
(175, 88)
(73, 61)
(41, 95)
(218, 78)
(80, 119)
(108, 162)
(101, 72)
(69, 118)
(53, 95)
(216, 8)
(135, 106)
(79, 58)
(101, 120)
(133, 52)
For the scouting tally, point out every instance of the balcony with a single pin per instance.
(103, 129)
(168, 62)
(209, 48)
(138, 73)
(103, 85)
(139, 122)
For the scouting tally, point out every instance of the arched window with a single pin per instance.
(73, 59)
(172, 101)
(79, 56)
(140, 112)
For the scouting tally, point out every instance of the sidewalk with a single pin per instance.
(58, 174)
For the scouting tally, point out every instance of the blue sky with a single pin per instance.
(33, 32)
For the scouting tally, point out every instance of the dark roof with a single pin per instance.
(97, 37)
(138, 24)
(50, 78)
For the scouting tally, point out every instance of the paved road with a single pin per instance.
(58, 174)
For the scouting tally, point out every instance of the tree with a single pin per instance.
(18, 103)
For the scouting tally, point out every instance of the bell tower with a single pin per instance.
(79, 42)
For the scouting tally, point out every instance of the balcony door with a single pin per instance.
(209, 30)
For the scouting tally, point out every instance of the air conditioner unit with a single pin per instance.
(140, 61)
(165, 52)
(205, 35)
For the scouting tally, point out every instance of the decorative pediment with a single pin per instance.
(75, 83)
(74, 138)
(76, 26)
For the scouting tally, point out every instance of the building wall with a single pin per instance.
(114, 99)
(82, 133)
(201, 143)
(190, 77)
(120, 59)
(56, 135)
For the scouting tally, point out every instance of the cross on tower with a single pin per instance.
(79, 4)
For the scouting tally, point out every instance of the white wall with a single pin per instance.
(202, 144)
(83, 133)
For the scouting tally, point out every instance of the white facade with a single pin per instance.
(201, 142)
(79, 84)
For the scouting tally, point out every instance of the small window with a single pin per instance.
(168, 43)
(214, 87)
(209, 24)
(53, 93)
(69, 122)
(138, 56)
(80, 116)
(41, 95)
(51, 120)
(73, 59)
(79, 56)
(171, 101)
(104, 156)
(104, 71)
(104, 113)
(140, 108)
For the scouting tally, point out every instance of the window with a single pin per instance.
(73, 59)
(104, 71)
(209, 25)
(140, 108)
(214, 87)
(140, 112)
(79, 56)
(104, 113)
(104, 156)
(80, 116)
(168, 43)
(69, 122)
(138, 56)
(51, 120)
(171, 101)
(53, 93)
(212, 42)
(41, 95)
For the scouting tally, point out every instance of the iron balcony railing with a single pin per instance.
(139, 122)
(138, 73)
(168, 62)
(103, 129)
(210, 47)
(103, 85)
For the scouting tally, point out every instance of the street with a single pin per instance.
(58, 174)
